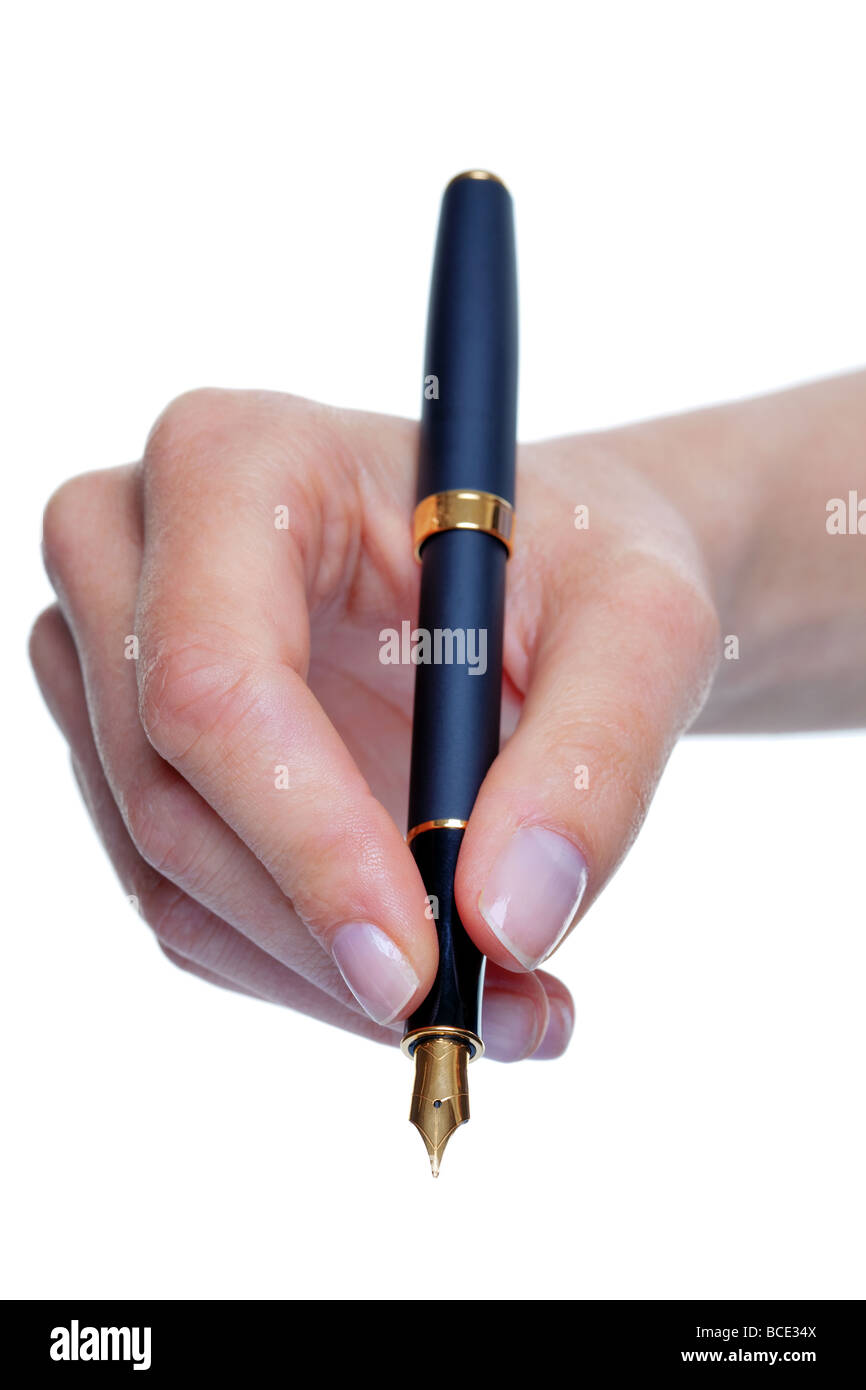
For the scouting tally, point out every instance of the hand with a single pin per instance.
(247, 769)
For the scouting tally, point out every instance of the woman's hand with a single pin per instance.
(214, 662)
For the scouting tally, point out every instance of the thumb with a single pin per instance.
(613, 685)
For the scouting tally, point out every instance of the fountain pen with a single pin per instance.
(462, 534)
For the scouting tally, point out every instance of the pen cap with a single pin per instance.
(469, 415)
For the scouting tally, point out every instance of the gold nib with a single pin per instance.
(440, 1096)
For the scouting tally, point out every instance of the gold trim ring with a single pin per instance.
(472, 1040)
(434, 825)
(478, 174)
(462, 509)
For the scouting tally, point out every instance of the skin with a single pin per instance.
(259, 647)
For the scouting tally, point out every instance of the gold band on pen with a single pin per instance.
(434, 825)
(462, 509)
(477, 174)
(432, 1030)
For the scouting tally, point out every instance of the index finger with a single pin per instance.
(224, 634)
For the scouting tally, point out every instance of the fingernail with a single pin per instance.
(510, 1026)
(557, 1036)
(533, 892)
(375, 969)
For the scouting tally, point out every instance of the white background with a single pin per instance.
(246, 195)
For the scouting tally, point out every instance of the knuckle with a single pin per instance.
(691, 612)
(44, 634)
(184, 421)
(200, 427)
(175, 919)
(151, 830)
(165, 823)
(62, 520)
(674, 603)
(691, 627)
(189, 689)
(171, 921)
(676, 611)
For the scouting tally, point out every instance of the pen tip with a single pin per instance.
(440, 1097)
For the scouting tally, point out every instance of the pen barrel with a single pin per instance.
(455, 738)
(467, 443)
(458, 692)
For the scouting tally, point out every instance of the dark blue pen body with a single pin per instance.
(467, 442)
(468, 432)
